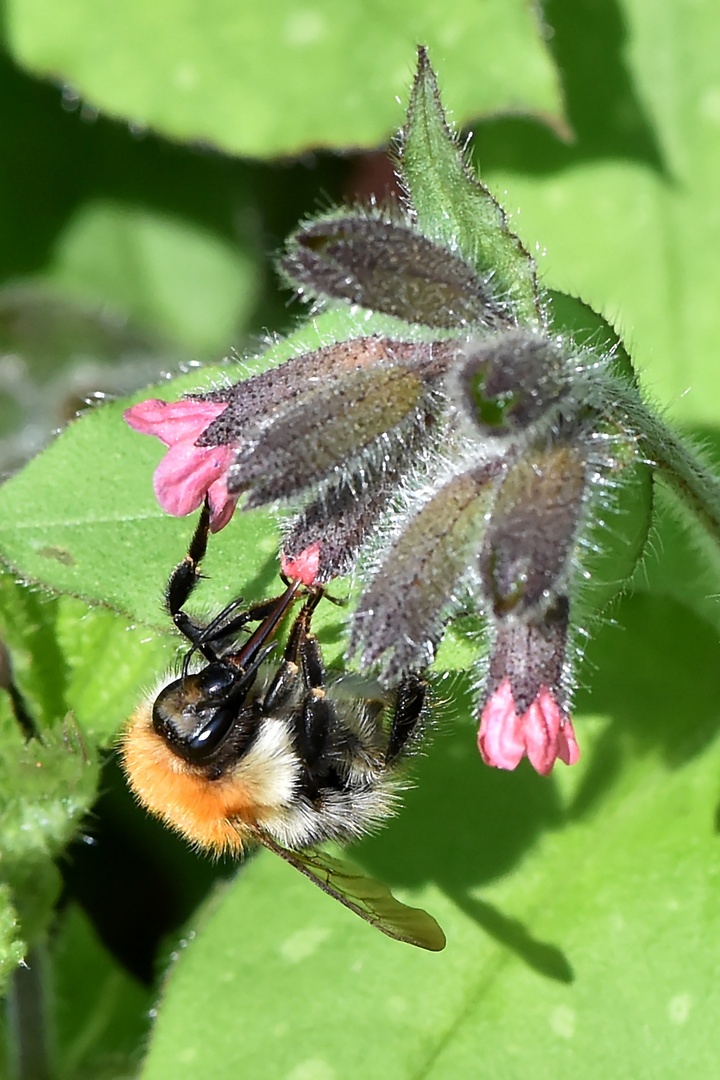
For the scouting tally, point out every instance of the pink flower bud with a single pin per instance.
(524, 713)
(304, 567)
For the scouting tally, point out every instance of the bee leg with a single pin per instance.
(180, 586)
(409, 701)
(185, 577)
(314, 719)
(317, 729)
(287, 676)
(182, 582)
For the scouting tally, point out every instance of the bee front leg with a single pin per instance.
(185, 577)
(181, 585)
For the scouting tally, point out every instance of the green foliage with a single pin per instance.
(436, 176)
(102, 1011)
(216, 76)
(182, 283)
(47, 788)
(579, 910)
(11, 948)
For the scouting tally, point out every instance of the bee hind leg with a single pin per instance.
(315, 721)
(409, 702)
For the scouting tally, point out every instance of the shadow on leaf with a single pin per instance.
(465, 826)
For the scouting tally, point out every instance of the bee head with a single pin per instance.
(196, 714)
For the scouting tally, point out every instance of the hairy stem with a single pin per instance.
(674, 457)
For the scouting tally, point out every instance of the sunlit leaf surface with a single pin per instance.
(259, 80)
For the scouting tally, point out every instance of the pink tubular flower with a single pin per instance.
(188, 472)
(304, 567)
(543, 732)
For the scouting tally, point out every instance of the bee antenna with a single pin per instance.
(208, 634)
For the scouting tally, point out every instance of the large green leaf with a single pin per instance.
(633, 229)
(278, 79)
(177, 280)
(579, 911)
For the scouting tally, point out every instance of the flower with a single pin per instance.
(542, 733)
(524, 712)
(304, 567)
(188, 473)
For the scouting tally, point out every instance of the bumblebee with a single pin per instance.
(247, 751)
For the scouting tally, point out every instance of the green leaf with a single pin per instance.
(279, 79)
(69, 658)
(103, 538)
(629, 224)
(170, 276)
(101, 1013)
(454, 207)
(47, 787)
(578, 910)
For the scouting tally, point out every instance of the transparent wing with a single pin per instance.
(368, 898)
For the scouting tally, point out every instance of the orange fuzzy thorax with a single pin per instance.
(209, 813)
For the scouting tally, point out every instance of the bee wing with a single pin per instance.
(368, 898)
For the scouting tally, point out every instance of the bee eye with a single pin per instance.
(215, 681)
(211, 735)
(193, 714)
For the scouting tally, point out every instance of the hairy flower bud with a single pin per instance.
(337, 524)
(508, 382)
(391, 268)
(287, 429)
(312, 437)
(260, 398)
(400, 618)
(524, 701)
(532, 529)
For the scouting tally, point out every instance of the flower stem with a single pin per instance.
(29, 1051)
(673, 456)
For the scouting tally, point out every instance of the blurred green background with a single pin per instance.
(152, 157)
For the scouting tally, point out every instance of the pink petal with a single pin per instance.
(567, 747)
(222, 504)
(541, 724)
(500, 740)
(173, 421)
(185, 475)
(304, 567)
